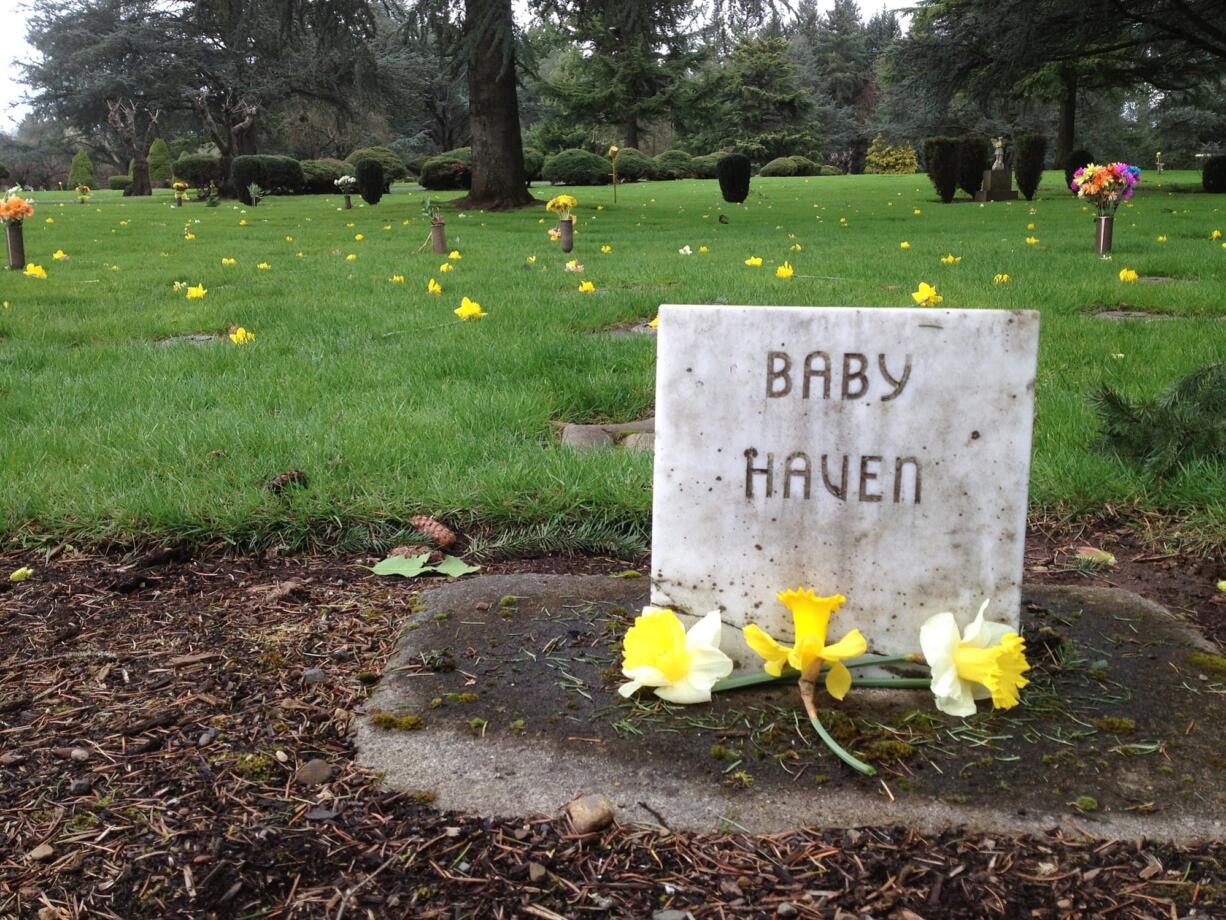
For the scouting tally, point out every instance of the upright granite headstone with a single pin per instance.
(883, 454)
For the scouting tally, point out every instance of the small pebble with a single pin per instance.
(313, 773)
(314, 676)
(80, 786)
(787, 910)
(78, 755)
(41, 852)
(206, 737)
(536, 872)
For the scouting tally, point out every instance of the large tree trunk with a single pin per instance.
(126, 117)
(632, 132)
(499, 180)
(140, 184)
(1067, 133)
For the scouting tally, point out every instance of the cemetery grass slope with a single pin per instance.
(118, 429)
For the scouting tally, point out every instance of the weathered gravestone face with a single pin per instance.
(882, 454)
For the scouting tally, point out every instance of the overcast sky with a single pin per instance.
(13, 15)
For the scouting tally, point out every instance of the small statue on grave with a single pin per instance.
(998, 143)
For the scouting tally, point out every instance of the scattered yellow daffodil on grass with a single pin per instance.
(784, 271)
(289, 239)
(21, 574)
(655, 323)
(986, 660)
(574, 265)
(446, 267)
(1031, 240)
(679, 666)
(951, 259)
(228, 261)
(1215, 235)
(586, 287)
(59, 255)
(531, 260)
(1000, 279)
(796, 247)
(809, 652)
(1128, 275)
(240, 336)
(189, 236)
(1162, 238)
(917, 212)
(454, 255)
(34, 271)
(396, 279)
(754, 261)
(606, 249)
(1030, 226)
(49, 220)
(358, 237)
(904, 245)
(196, 292)
(704, 249)
(263, 266)
(352, 257)
(469, 309)
(6, 305)
(433, 287)
(926, 295)
(242, 221)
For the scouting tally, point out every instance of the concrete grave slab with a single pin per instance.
(508, 685)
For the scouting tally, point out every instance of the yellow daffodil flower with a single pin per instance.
(178, 286)
(586, 287)
(1031, 240)
(606, 249)
(655, 323)
(986, 661)
(810, 620)
(917, 212)
(951, 259)
(433, 287)
(795, 247)
(531, 260)
(299, 254)
(6, 305)
(574, 265)
(242, 221)
(350, 226)
(352, 257)
(454, 255)
(229, 261)
(35, 271)
(1000, 279)
(926, 295)
(1128, 275)
(904, 245)
(358, 237)
(446, 267)
(263, 266)
(704, 249)
(21, 574)
(189, 236)
(241, 336)
(1162, 238)
(1215, 235)
(1030, 226)
(469, 309)
(784, 271)
(754, 261)
(396, 279)
(196, 292)
(289, 239)
(59, 255)
(679, 666)
(49, 220)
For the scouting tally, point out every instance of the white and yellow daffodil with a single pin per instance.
(680, 666)
(987, 660)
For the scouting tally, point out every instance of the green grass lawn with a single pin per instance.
(393, 407)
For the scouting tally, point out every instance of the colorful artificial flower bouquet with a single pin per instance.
(346, 184)
(180, 188)
(562, 205)
(14, 208)
(1105, 186)
(83, 191)
(986, 660)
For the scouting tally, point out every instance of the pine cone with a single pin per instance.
(283, 481)
(442, 535)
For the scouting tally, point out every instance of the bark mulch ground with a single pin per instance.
(154, 714)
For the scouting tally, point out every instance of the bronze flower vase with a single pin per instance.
(438, 236)
(348, 202)
(566, 229)
(15, 244)
(1103, 225)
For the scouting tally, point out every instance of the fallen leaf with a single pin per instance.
(455, 567)
(404, 566)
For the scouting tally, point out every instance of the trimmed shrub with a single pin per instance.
(82, 171)
(733, 173)
(703, 167)
(1029, 156)
(198, 171)
(159, 163)
(415, 165)
(1213, 178)
(888, 159)
(393, 165)
(369, 173)
(780, 166)
(319, 176)
(673, 164)
(829, 170)
(942, 156)
(275, 175)
(118, 183)
(974, 157)
(534, 162)
(805, 166)
(443, 173)
(1076, 160)
(634, 165)
(577, 167)
(463, 154)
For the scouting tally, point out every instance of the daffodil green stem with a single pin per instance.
(869, 661)
(759, 678)
(839, 751)
(890, 682)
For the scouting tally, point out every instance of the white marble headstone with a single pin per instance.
(882, 454)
